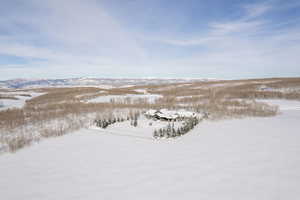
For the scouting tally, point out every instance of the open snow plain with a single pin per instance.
(252, 158)
(18, 101)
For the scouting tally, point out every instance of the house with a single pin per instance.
(169, 115)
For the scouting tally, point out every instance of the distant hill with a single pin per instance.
(109, 82)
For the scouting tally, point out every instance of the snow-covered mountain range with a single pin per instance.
(32, 83)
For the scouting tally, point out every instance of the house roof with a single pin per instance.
(151, 112)
(170, 114)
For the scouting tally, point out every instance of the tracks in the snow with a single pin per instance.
(124, 135)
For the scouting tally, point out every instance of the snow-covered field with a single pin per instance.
(254, 158)
(19, 102)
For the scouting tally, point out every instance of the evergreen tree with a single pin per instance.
(105, 124)
(173, 132)
(169, 128)
(135, 122)
(155, 134)
(161, 133)
(178, 133)
(97, 122)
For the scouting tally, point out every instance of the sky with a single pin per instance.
(226, 39)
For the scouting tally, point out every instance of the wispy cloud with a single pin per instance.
(257, 10)
(67, 33)
(250, 43)
(74, 38)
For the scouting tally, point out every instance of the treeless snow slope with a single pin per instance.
(18, 103)
(255, 158)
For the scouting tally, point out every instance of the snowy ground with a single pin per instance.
(144, 130)
(19, 102)
(254, 158)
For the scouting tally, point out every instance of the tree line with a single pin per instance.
(171, 132)
(104, 123)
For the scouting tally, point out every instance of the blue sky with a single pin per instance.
(141, 38)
